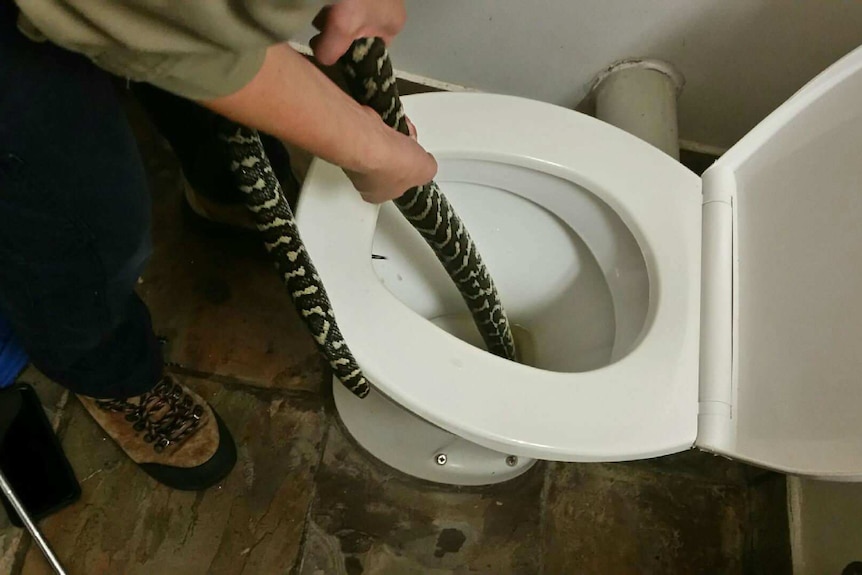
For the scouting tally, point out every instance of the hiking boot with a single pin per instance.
(216, 215)
(220, 207)
(172, 433)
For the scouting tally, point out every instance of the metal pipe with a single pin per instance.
(639, 96)
(30, 525)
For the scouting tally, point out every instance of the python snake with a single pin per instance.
(371, 81)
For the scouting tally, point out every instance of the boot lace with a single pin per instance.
(167, 415)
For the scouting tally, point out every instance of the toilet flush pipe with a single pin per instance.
(639, 96)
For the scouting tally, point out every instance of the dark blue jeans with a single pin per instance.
(74, 221)
(75, 211)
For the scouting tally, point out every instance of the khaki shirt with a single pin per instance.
(200, 49)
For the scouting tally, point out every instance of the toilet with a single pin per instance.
(655, 311)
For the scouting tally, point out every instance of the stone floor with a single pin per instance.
(305, 500)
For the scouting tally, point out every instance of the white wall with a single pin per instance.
(741, 58)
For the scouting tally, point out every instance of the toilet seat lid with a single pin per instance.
(781, 350)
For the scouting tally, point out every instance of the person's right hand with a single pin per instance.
(347, 20)
(396, 163)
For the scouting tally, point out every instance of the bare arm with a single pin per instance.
(292, 100)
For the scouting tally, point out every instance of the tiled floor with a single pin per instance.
(304, 499)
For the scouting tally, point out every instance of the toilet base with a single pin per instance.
(408, 443)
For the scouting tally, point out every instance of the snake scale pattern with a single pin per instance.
(371, 81)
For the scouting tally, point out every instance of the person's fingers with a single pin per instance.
(395, 17)
(378, 197)
(430, 169)
(411, 129)
(314, 44)
(417, 166)
(372, 197)
(328, 47)
(319, 21)
(340, 27)
(382, 187)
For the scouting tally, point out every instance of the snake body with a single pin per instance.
(371, 81)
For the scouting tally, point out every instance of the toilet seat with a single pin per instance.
(762, 366)
(610, 412)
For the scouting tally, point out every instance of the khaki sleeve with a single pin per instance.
(195, 76)
(196, 49)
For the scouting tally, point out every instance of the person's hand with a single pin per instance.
(397, 163)
(292, 100)
(348, 20)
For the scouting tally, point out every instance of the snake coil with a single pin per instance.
(371, 81)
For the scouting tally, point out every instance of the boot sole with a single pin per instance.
(203, 476)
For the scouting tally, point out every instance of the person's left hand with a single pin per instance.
(348, 20)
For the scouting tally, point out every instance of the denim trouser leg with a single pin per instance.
(74, 221)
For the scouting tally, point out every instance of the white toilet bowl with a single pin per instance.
(593, 238)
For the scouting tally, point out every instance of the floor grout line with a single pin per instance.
(543, 511)
(296, 569)
(748, 529)
(23, 548)
(234, 383)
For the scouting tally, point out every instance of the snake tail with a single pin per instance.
(264, 197)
